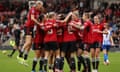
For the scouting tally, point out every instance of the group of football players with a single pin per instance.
(58, 36)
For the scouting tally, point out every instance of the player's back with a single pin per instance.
(87, 32)
(51, 32)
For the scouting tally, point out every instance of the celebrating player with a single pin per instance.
(79, 37)
(78, 34)
(38, 45)
(87, 40)
(32, 17)
(63, 42)
(97, 42)
(50, 39)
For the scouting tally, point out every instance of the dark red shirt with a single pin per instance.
(77, 21)
(50, 31)
(39, 35)
(97, 37)
(78, 33)
(60, 31)
(36, 13)
(69, 34)
(87, 32)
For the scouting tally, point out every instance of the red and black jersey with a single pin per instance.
(77, 22)
(36, 13)
(78, 32)
(50, 31)
(60, 31)
(69, 34)
(79, 35)
(39, 35)
(87, 32)
(97, 37)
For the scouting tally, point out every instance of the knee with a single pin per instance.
(29, 43)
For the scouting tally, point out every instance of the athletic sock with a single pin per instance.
(84, 63)
(93, 63)
(97, 63)
(13, 52)
(45, 64)
(61, 63)
(57, 63)
(87, 64)
(72, 64)
(41, 62)
(34, 64)
(80, 60)
(105, 57)
(21, 53)
(25, 55)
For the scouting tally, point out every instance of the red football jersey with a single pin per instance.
(60, 35)
(69, 34)
(87, 32)
(60, 31)
(39, 35)
(97, 37)
(50, 31)
(78, 32)
(36, 13)
(79, 35)
(77, 21)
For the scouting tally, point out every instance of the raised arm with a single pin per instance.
(35, 20)
(66, 19)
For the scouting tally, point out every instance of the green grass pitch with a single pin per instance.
(11, 64)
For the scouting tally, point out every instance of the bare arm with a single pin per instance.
(111, 39)
(103, 32)
(35, 20)
(78, 26)
(67, 17)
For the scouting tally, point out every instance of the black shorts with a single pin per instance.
(51, 46)
(61, 45)
(80, 44)
(86, 47)
(96, 45)
(69, 46)
(29, 31)
(17, 42)
(38, 46)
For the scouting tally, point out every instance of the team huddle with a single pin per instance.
(60, 36)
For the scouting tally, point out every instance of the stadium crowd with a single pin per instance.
(16, 12)
(78, 24)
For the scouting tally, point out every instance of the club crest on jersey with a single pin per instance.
(33, 11)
